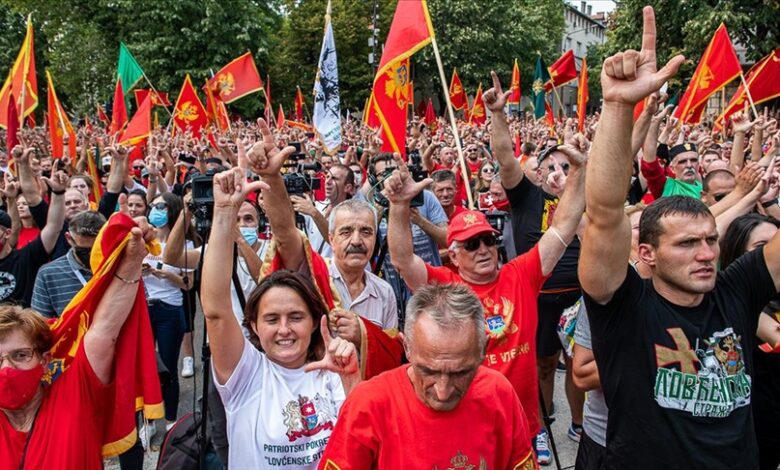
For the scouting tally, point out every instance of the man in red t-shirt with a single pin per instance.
(509, 293)
(415, 416)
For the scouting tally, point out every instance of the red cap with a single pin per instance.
(467, 224)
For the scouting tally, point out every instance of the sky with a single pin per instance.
(598, 5)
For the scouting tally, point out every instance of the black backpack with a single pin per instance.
(181, 450)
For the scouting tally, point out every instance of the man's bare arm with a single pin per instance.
(511, 169)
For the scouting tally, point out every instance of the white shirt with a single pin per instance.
(317, 242)
(376, 303)
(162, 289)
(248, 283)
(278, 417)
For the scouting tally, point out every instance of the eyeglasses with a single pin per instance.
(472, 244)
(564, 167)
(18, 357)
(159, 206)
(718, 197)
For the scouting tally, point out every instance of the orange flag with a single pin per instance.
(118, 111)
(457, 94)
(158, 99)
(718, 66)
(139, 128)
(97, 188)
(136, 386)
(189, 112)
(216, 110)
(763, 84)
(21, 82)
(370, 118)
(550, 117)
(236, 80)
(582, 96)
(299, 104)
(514, 98)
(467, 110)
(410, 31)
(430, 116)
(477, 113)
(59, 125)
(280, 117)
(562, 71)
(101, 114)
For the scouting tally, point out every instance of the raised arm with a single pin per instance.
(626, 78)
(400, 188)
(175, 254)
(225, 335)
(11, 192)
(266, 160)
(56, 216)
(27, 179)
(117, 301)
(741, 125)
(495, 100)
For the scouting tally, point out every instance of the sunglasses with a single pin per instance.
(718, 197)
(564, 167)
(161, 206)
(488, 169)
(472, 244)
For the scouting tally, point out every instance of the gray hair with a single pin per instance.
(450, 306)
(350, 205)
(86, 223)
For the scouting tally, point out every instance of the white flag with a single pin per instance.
(327, 112)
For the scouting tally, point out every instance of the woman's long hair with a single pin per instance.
(734, 242)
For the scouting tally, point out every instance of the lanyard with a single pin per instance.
(76, 271)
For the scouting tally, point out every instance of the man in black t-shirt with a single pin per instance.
(533, 208)
(674, 352)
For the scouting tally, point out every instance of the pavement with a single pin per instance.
(567, 449)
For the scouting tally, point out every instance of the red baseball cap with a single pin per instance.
(466, 225)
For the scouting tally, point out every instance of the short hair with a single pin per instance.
(86, 223)
(140, 193)
(381, 157)
(705, 184)
(450, 306)
(734, 241)
(631, 210)
(351, 205)
(528, 148)
(441, 176)
(82, 196)
(350, 178)
(650, 228)
(31, 323)
(87, 179)
(308, 293)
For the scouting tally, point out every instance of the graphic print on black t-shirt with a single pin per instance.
(709, 381)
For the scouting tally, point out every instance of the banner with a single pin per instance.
(327, 103)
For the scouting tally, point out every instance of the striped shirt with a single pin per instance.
(56, 284)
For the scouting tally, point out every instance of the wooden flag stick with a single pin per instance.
(155, 92)
(453, 122)
(558, 98)
(747, 93)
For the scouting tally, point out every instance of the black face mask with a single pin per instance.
(82, 254)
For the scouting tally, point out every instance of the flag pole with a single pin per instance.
(453, 123)
(558, 98)
(155, 91)
(747, 93)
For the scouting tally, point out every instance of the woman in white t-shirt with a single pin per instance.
(164, 284)
(283, 387)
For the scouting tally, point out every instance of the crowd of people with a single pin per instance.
(640, 253)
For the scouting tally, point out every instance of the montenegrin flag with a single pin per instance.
(21, 82)
(189, 113)
(136, 386)
(718, 66)
(158, 99)
(457, 94)
(236, 80)
(514, 98)
(216, 110)
(477, 114)
(763, 83)
(327, 102)
(410, 31)
(562, 71)
(59, 125)
(139, 128)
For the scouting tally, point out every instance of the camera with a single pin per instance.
(296, 180)
(497, 220)
(202, 204)
(379, 185)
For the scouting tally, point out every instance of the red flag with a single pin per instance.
(118, 112)
(467, 111)
(139, 128)
(12, 131)
(189, 111)
(514, 98)
(158, 99)
(718, 66)
(410, 31)
(457, 94)
(477, 113)
(216, 110)
(237, 79)
(430, 116)
(59, 125)
(550, 116)
(21, 82)
(101, 114)
(582, 96)
(562, 71)
(97, 188)
(370, 117)
(763, 84)
(280, 117)
(299, 104)
(136, 385)
(300, 125)
(518, 144)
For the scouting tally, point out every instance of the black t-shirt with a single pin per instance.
(766, 387)
(18, 271)
(677, 380)
(532, 213)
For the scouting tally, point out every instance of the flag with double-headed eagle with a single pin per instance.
(159, 98)
(327, 102)
(236, 80)
(59, 124)
(541, 76)
(762, 82)
(457, 94)
(21, 82)
(189, 113)
(718, 66)
(410, 31)
(477, 113)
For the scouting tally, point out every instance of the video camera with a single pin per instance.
(202, 204)
(497, 220)
(296, 180)
(415, 170)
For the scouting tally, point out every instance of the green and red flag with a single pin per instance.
(128, 69)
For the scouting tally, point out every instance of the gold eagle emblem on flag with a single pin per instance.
(225, 84)
(187, 112)
(397, 84)
(705, 78)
